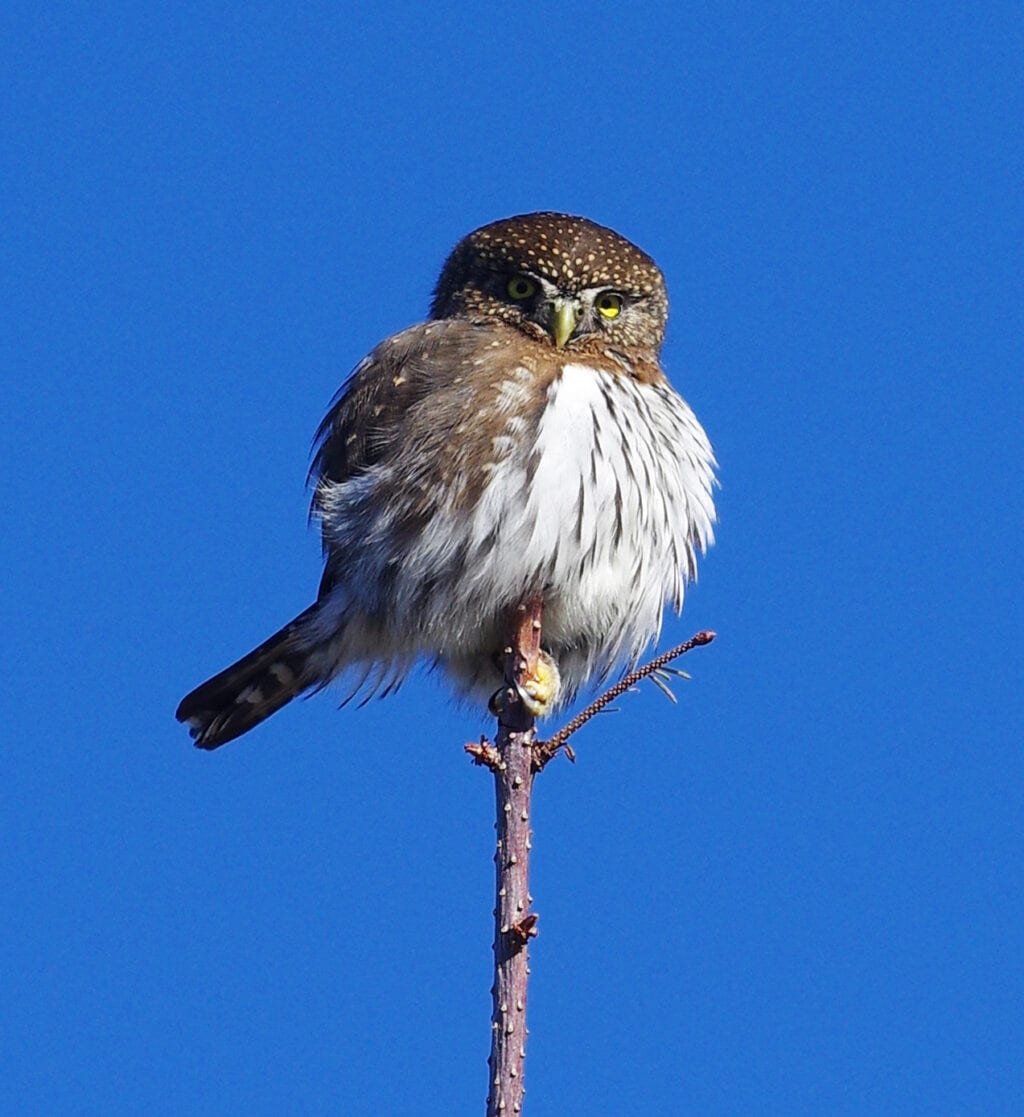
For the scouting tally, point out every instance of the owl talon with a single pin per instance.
(500, 700)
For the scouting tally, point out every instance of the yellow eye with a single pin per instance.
(520, 287)
(609, 304)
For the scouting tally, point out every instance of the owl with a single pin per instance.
(523, 443)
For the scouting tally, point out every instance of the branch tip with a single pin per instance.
(545, 750)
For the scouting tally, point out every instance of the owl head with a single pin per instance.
(563, 281)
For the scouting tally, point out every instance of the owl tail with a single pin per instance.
(252, 689)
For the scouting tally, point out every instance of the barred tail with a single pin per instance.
(252, 689)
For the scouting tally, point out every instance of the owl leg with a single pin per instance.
(526, 667)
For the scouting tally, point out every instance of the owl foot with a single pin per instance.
(539, 691)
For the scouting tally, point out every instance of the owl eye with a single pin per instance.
(609, 304)
(521, 287)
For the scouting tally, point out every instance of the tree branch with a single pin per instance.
(511, 761)
(515, 758)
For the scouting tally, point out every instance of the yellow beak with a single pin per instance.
(564, 317)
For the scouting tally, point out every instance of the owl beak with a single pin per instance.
(564, 316)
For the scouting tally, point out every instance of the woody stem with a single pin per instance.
(514, 924)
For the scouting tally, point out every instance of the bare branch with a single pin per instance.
(515, 758)
(511, 760)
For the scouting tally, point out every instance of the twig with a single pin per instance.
(544, 751)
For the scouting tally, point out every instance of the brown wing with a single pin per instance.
(369, 420)
(363, 417)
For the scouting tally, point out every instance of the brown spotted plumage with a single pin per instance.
(522, 441)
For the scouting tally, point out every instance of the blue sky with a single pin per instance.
(799, 891)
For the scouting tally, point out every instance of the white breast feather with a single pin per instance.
(608, 567)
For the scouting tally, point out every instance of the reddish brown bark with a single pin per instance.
(514, 923)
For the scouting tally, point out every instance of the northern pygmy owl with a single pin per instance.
(523, 441)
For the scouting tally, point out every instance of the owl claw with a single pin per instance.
(499, 701)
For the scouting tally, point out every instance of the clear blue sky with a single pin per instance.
(799, 891)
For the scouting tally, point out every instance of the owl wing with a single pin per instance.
(369, 421)
(364, 416)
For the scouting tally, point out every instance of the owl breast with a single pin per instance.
(598, 498)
